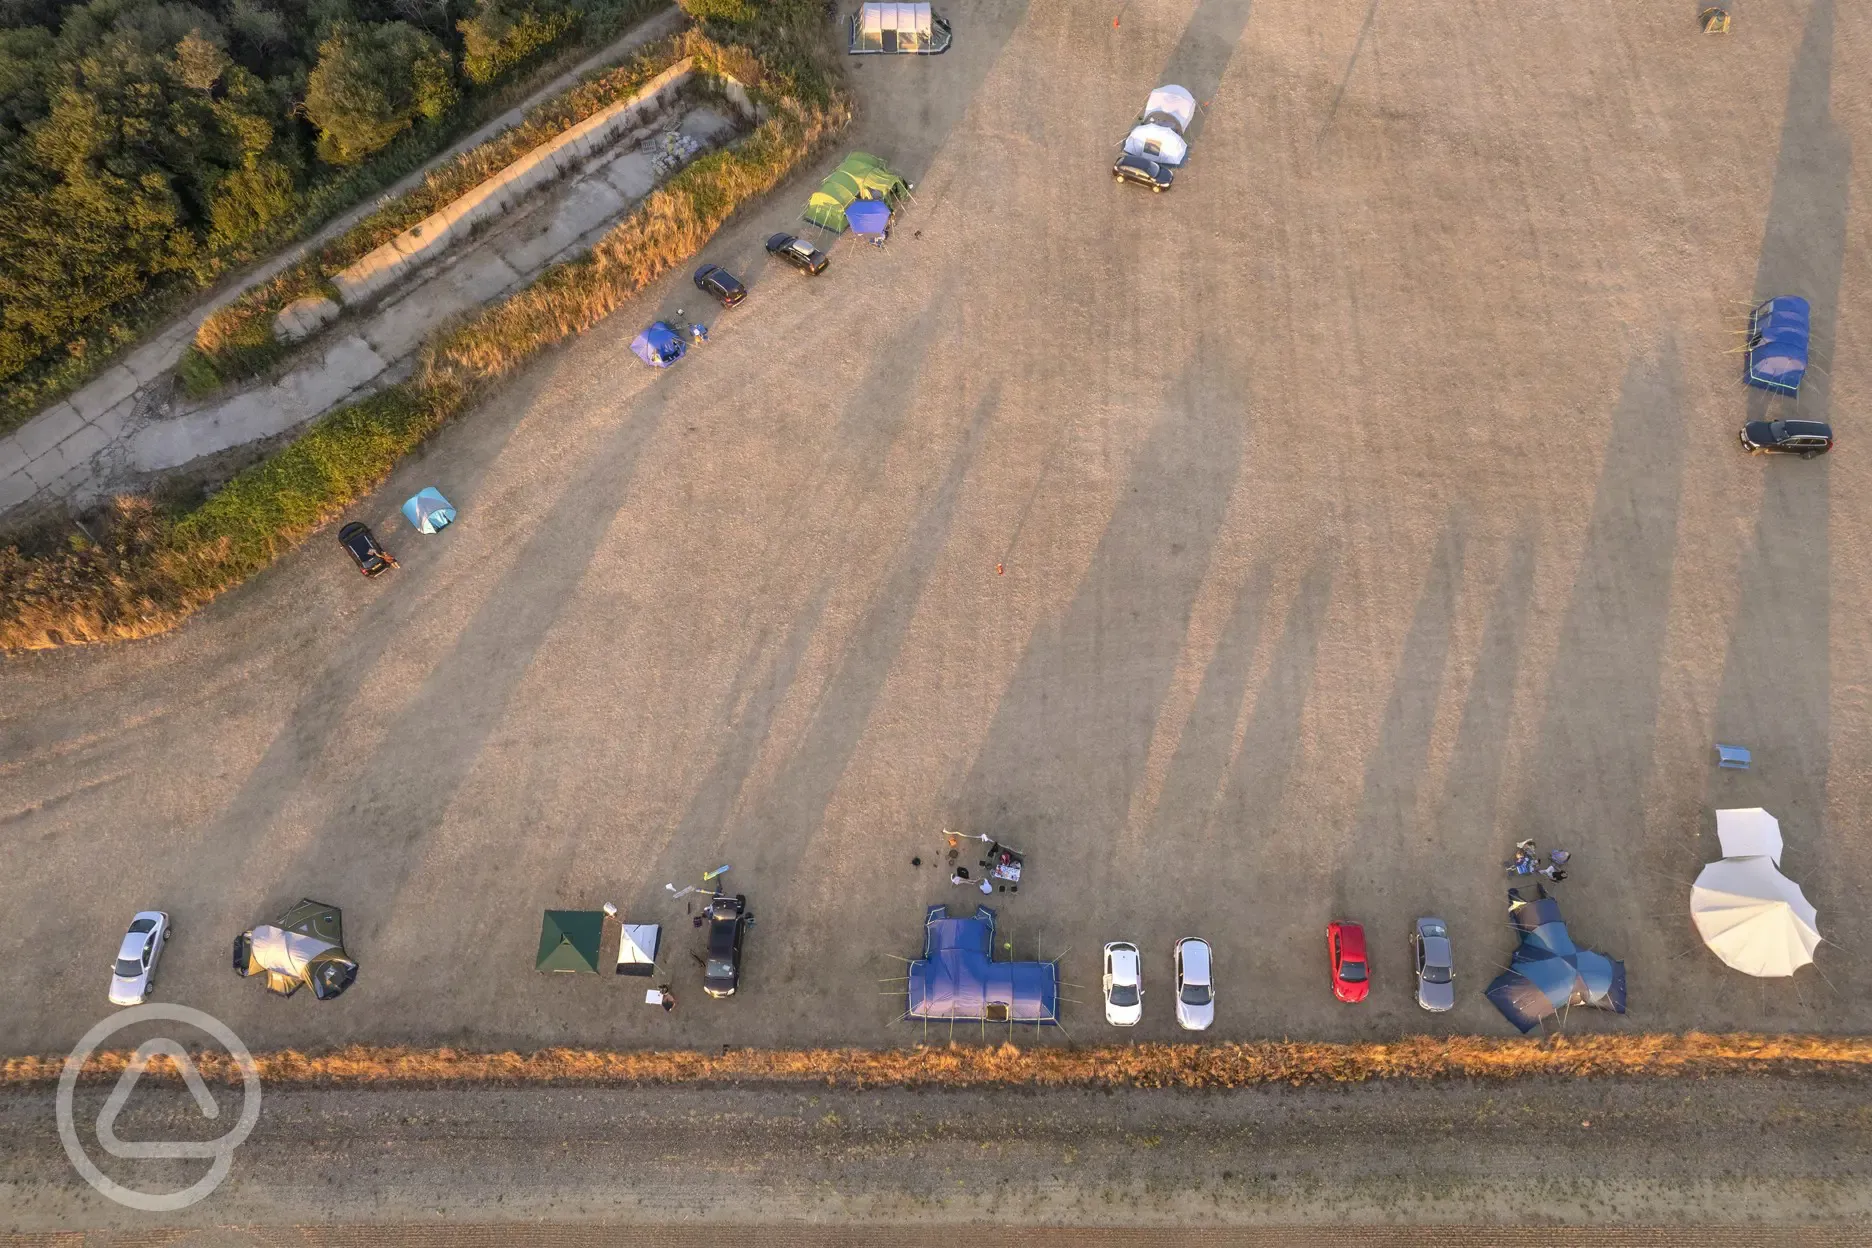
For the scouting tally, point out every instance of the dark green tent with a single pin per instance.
(569, 940)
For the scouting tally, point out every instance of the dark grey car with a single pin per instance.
(1430, 949)
(1143, 172)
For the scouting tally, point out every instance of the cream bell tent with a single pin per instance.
(1753, 917)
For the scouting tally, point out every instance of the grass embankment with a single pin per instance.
(236, 342)
(150, 569)
(123, 327)
(1192, 1066)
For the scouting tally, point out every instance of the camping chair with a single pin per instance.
(1732, 756)
(1714, 21)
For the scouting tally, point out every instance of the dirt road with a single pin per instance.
(1767, 1151)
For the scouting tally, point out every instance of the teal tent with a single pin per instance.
(569, 940)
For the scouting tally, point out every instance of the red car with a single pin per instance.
(1345, 946)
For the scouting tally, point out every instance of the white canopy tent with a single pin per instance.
(1158, 143)
(1173, 101)
(897, 27)
(1753, 917)
(637, 948)
(1749, 832)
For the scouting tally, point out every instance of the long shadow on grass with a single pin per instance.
(398, 800)
(1777, 675)
(1203, 54)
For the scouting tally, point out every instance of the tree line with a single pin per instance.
(144, 141)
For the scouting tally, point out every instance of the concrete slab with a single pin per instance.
(703, 122)
(77, 450)
(632, 173)
(348, 364)
(156, 357)
(586, 206)
(397, 329)
(16, 488)
(46, 430)
(112, 387)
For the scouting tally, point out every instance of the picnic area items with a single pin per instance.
(1548, 972)
(957, 978)
(428, 511)
(304, 946)
(569, 941)
(659, 346)
(888, 27)
(1004, 864)
(1778, 335)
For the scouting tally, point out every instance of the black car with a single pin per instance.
(727, 918)
(1143, 172)
(714, 280)
(799, 253)
(1805, 438)
(361, 544)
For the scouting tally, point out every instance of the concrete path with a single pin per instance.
(56, 454)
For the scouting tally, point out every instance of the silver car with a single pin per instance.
(1195, 985)
(1436, 987)
(135, 971)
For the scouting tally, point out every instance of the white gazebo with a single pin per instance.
(1754, 918)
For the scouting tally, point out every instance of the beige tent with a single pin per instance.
(895, 27)
(1748, 832)
(1753, 917)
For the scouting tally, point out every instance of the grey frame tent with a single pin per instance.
(897, 28)
(304, 947)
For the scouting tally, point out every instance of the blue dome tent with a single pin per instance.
(958, 979)
(1779, 330)
(428, 510)
(658, 346)
(1548, 971)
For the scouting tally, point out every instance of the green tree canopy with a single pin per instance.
(371, 83)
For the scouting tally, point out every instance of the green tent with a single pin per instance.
(859, 176)
(569, 940)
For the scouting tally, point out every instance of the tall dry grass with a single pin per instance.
(1191, 1066)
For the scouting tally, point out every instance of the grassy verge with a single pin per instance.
(149, 570)
(1189, 1066)
(236, 341)
(125, 326)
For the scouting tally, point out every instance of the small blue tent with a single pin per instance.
(1549, 972)
(659, 346)
(958, 978)
(428, 510)
(1779, 330)
(868, 216)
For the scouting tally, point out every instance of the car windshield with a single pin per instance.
(1432, 975)
(720, 968)
(1195, 994)
(142, 925)
(1353, 972)
(1124, 994)
(129, 968)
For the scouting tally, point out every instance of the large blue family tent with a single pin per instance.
(659, 346)
(1548, 971)
(957, 977)
(1779, 330)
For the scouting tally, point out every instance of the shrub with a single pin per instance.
(371, 83)
(499, 36)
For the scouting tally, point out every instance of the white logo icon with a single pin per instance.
(221, 1151)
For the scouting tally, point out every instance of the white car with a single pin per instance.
(1195, 985)
(135, 972)
(1124, 984)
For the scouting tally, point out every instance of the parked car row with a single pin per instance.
(1347, 963)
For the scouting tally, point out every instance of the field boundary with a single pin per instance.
(958, 1065)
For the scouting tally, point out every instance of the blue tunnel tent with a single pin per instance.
(958, 979)
(1779, 330)
(428, 511)
(1548, 971)
(868, 216)
(659, 346)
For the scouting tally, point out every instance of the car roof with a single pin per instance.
(1133, 161)
(132, 946)
(1195, 959)
(1124, 959)
(1807, 427)
(1436, 951)
(1352, 941)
